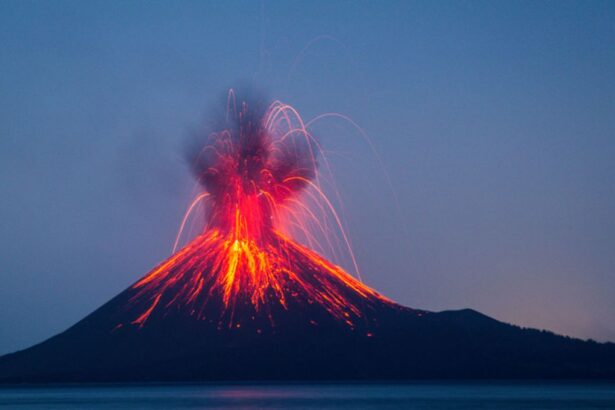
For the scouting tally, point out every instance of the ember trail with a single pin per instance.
(261, 188)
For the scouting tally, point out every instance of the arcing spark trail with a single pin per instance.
(245, 263)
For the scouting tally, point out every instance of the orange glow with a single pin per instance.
(254, 172)
(240, 269)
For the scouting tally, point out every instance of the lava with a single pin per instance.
(260, 187)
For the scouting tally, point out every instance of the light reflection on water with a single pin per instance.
(461, 395)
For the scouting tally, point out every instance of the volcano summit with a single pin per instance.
(247, 300)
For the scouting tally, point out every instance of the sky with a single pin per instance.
(494, 121)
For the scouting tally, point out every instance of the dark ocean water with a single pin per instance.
(462, 395)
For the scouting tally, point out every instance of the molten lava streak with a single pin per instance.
(259, 174)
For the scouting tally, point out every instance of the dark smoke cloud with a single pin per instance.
(236, 149)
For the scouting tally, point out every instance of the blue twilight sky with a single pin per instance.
(496, 122)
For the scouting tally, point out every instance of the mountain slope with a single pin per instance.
(398, 343)
(232, 309)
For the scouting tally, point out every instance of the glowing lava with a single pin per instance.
(260, 181)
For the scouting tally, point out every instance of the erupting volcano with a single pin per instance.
(252, 298)
(245, 266)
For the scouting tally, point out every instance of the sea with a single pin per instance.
(423, 395)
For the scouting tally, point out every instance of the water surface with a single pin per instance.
(461, 395)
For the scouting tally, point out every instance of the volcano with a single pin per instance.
(250, 298)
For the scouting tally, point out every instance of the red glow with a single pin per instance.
(263, 188)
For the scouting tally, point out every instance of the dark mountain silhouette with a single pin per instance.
(304, 342)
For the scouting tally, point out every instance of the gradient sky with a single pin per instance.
(495, 120)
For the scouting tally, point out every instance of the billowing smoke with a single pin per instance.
(256, 155)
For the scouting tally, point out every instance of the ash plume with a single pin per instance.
(253, 150)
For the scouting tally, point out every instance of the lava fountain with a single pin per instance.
(260, 187)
